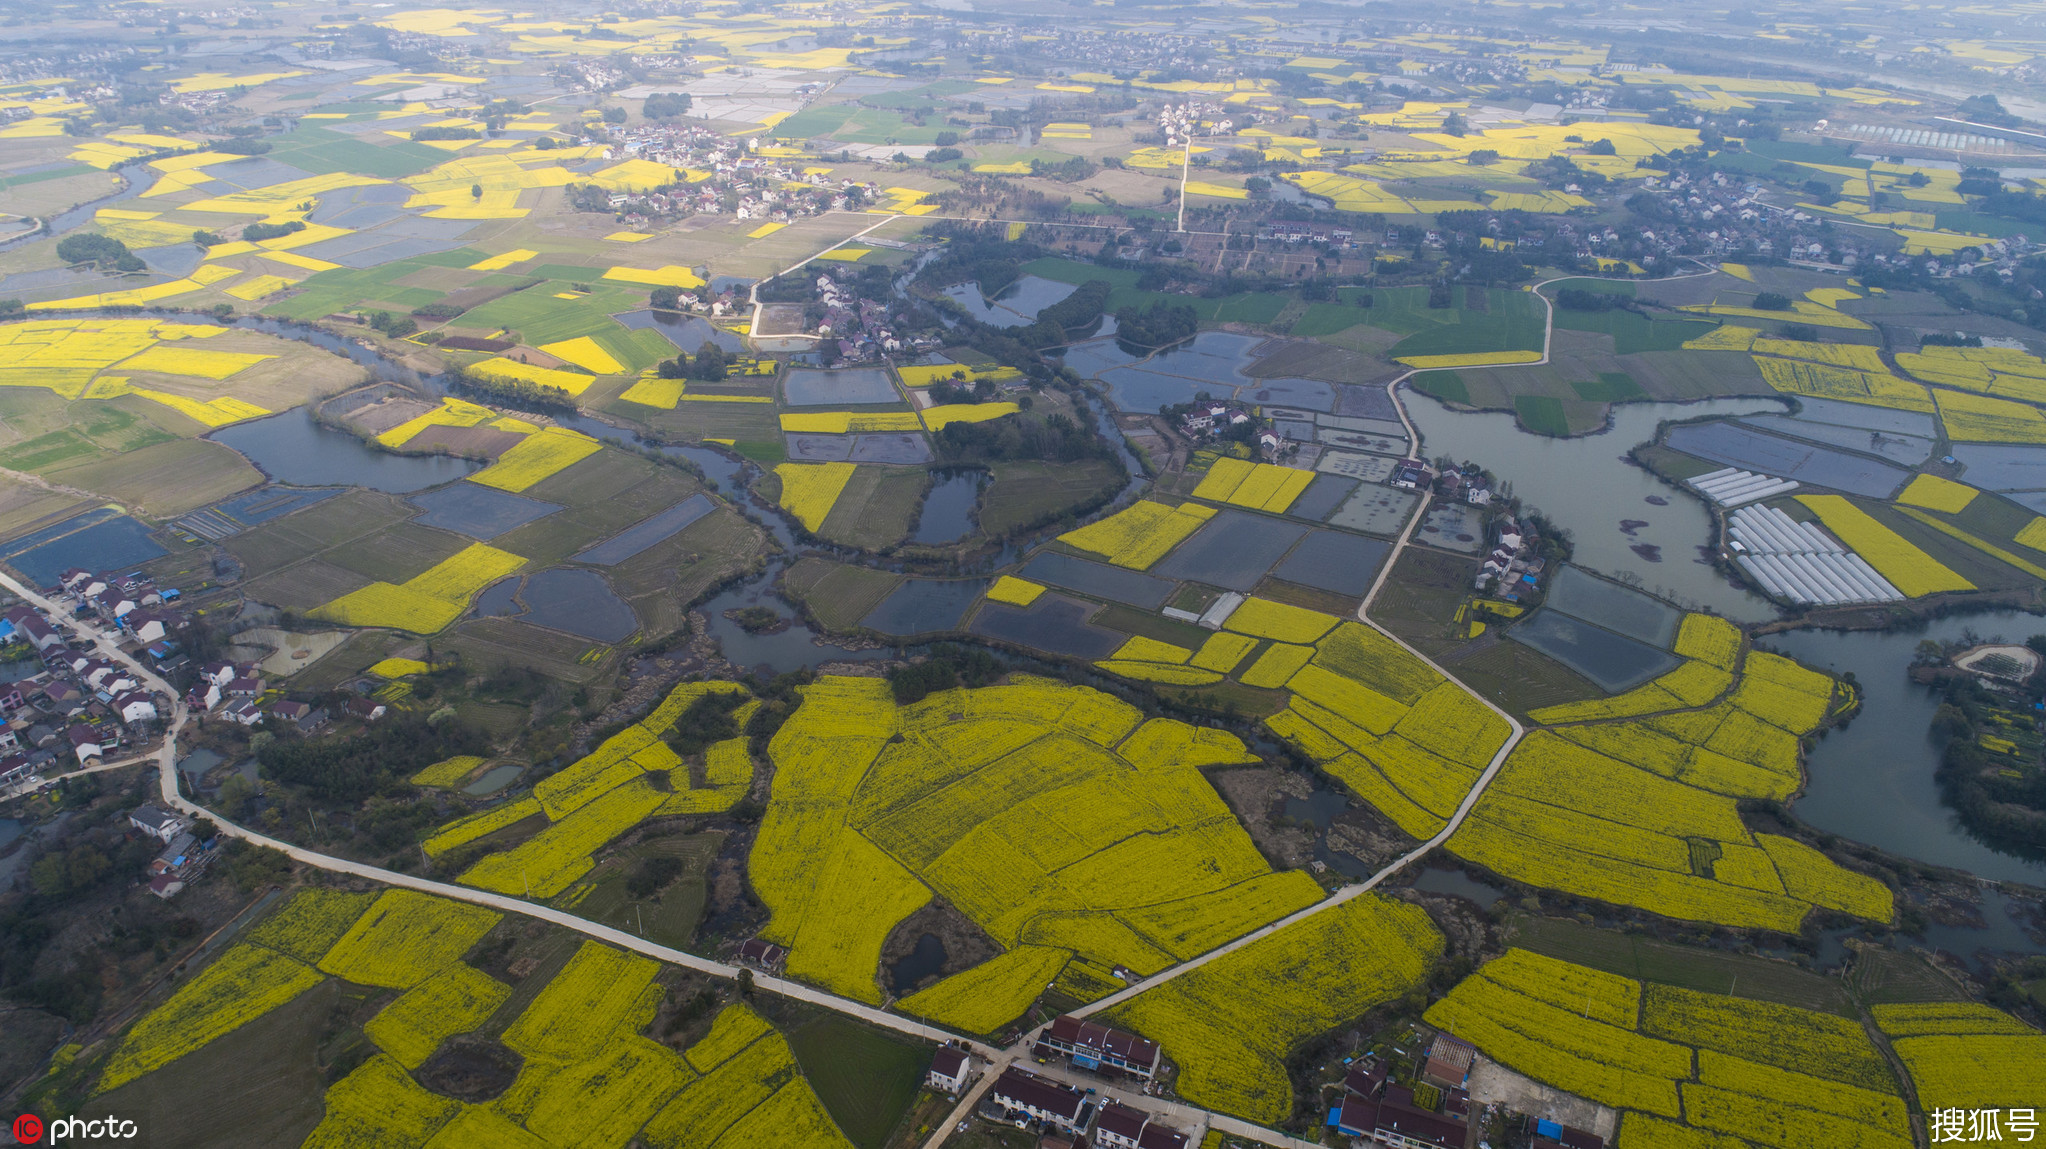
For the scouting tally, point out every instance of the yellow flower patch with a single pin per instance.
(429, 601)
(1909, 569)
(1140, 534)
(544, 453)
(809, 490)
(244, 983)
(1014, 591)
(405, 938)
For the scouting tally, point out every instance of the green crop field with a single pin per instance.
(1542, 415)
(539, 318)
(1609, 387)
(865, 1077)
(1707, 971)
(840, 596)
(321, 151)
(1445, 385)
(877, 508)
(852, 124)
(1633, 333)
(1028, 492)
(1512, 321)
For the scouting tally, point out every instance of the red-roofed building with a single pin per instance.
(1095, 1046)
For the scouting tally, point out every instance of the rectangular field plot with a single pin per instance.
(94, 543)
(1888, 420)
(922, 606)
(1052, 623)
(1376, 510)
(1614, 607)
(642, 535)
(871, 447)
(846, 387)
(1377, 444)
(479, 512)
(1233, 550)
(1322, 497)
(1451, 526)
(1904, 450)
(2003, 468)
(1098, 580)
(838, 595)
(1364, 468)
(1311, 394)
(1749, 449)
(1334, 561)
(1613, 661)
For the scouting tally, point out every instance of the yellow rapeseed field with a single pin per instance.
(218, 412)
(991, 994)
(1222, 652)
(1641, 811)
(406, 938)
(1169, 673)
(1771, 1075)
(1140, 534)
(241, 985)
(735, 1082)
(1232, 1023)
(1258, 486)
(734, 1028)
(455, 1000)
(1014, 591)
(809, 490)
(605, 1097)
(1968, 417)
(1282, 622)
(380, 1104)
(848, 422)
(450, 413)
(429, 601)
(1726, 337)
(537, 456)
(1975, 1070)
(601, 995)
(551, 861)
(308, 925)
(1909, 569)
(462, 831)
(875, 807)
(1470, 359)
(1709, 639)
(448, 772)
(940, 417)
(1824, 381)
(1918, 1019)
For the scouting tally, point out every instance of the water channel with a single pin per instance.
(1873, 782)
(947, 514)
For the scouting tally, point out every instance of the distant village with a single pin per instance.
(82, 711)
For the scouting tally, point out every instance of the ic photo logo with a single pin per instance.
(30, 1129)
